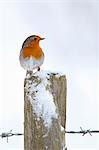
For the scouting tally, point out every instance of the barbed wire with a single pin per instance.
(9, 134)
(83, 132)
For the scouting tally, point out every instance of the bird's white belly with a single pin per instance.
(31, 63)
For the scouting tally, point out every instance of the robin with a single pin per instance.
(31, 55)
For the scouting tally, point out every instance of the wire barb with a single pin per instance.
(9, 134)
(83, 132)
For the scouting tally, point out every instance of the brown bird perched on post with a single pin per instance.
(31, 55)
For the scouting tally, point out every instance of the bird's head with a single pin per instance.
(32, 41)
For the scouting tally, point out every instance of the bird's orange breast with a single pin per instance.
(34, 52)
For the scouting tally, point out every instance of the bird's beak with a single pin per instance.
(42, 38)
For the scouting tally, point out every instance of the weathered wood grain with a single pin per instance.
(36, 135)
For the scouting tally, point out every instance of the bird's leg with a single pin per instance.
(29, 72)
(38, 69)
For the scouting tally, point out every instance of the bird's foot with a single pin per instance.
(38, 69)
(29, 73)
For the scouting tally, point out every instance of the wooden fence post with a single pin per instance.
(44, 111)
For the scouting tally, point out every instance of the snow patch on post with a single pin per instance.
(40, 96)
(44, 110)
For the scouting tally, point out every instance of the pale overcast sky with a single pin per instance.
(71, 46)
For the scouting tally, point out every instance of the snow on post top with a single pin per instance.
(39, 94)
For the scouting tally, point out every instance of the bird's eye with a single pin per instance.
(35, 38)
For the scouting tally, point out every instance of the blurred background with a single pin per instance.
(71, 46)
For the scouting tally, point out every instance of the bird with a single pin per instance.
(31, 54)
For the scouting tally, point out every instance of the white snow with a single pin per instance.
(62, 129)
(41, 98)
